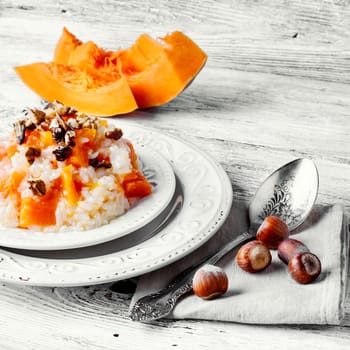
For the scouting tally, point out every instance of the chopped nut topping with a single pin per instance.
(44, 126)
(72, 123)
(54, 123)
(69, 138)
(60, 108)
(61, 122)
(59, 128)
(86, 121)
(62, 152)
(37, 116)
(115, 134)
(20, 131)
(34, 118)
(38, 187)
(32, 153)
(29, 125)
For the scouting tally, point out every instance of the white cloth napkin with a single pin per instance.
(271, 296)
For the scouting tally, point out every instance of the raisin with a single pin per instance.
(114, 134)
(94, 162)
(62, 152)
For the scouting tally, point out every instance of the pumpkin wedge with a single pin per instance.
(93, 80)
(159, 70)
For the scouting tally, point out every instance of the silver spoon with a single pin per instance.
(289, 193)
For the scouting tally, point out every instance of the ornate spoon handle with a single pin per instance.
(160, 304)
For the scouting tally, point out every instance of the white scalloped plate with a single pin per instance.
(160, 174)
(207, 199)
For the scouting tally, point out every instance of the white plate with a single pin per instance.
(160, 174)
(207, 199)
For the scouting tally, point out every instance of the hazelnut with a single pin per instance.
(272, 231)
(303, 266)
(253, 256)
(290, 247)
(209, 282)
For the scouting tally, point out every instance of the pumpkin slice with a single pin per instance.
(158, 71)
(83, 75)
(79, 89)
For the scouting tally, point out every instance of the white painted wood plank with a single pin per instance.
(93, 318)
(275, 87)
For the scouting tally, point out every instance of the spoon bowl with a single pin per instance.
(288, 193)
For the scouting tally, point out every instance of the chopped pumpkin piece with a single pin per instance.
(3, 152)
(136, 185)
(41, 139)
(39, 210)
(9, 186)
(68, 184)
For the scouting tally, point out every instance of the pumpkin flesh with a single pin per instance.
(77, 88)
(39, 211)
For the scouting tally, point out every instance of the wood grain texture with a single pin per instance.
(275, 87)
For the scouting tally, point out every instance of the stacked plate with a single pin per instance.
(192, 198)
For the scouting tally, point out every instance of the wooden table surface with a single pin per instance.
(275, 87)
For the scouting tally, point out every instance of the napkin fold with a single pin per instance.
(270, 296)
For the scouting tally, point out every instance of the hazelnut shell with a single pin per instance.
(253, 256)
(290, 247)
(272, 231)
(209, 282)
(304, 267)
